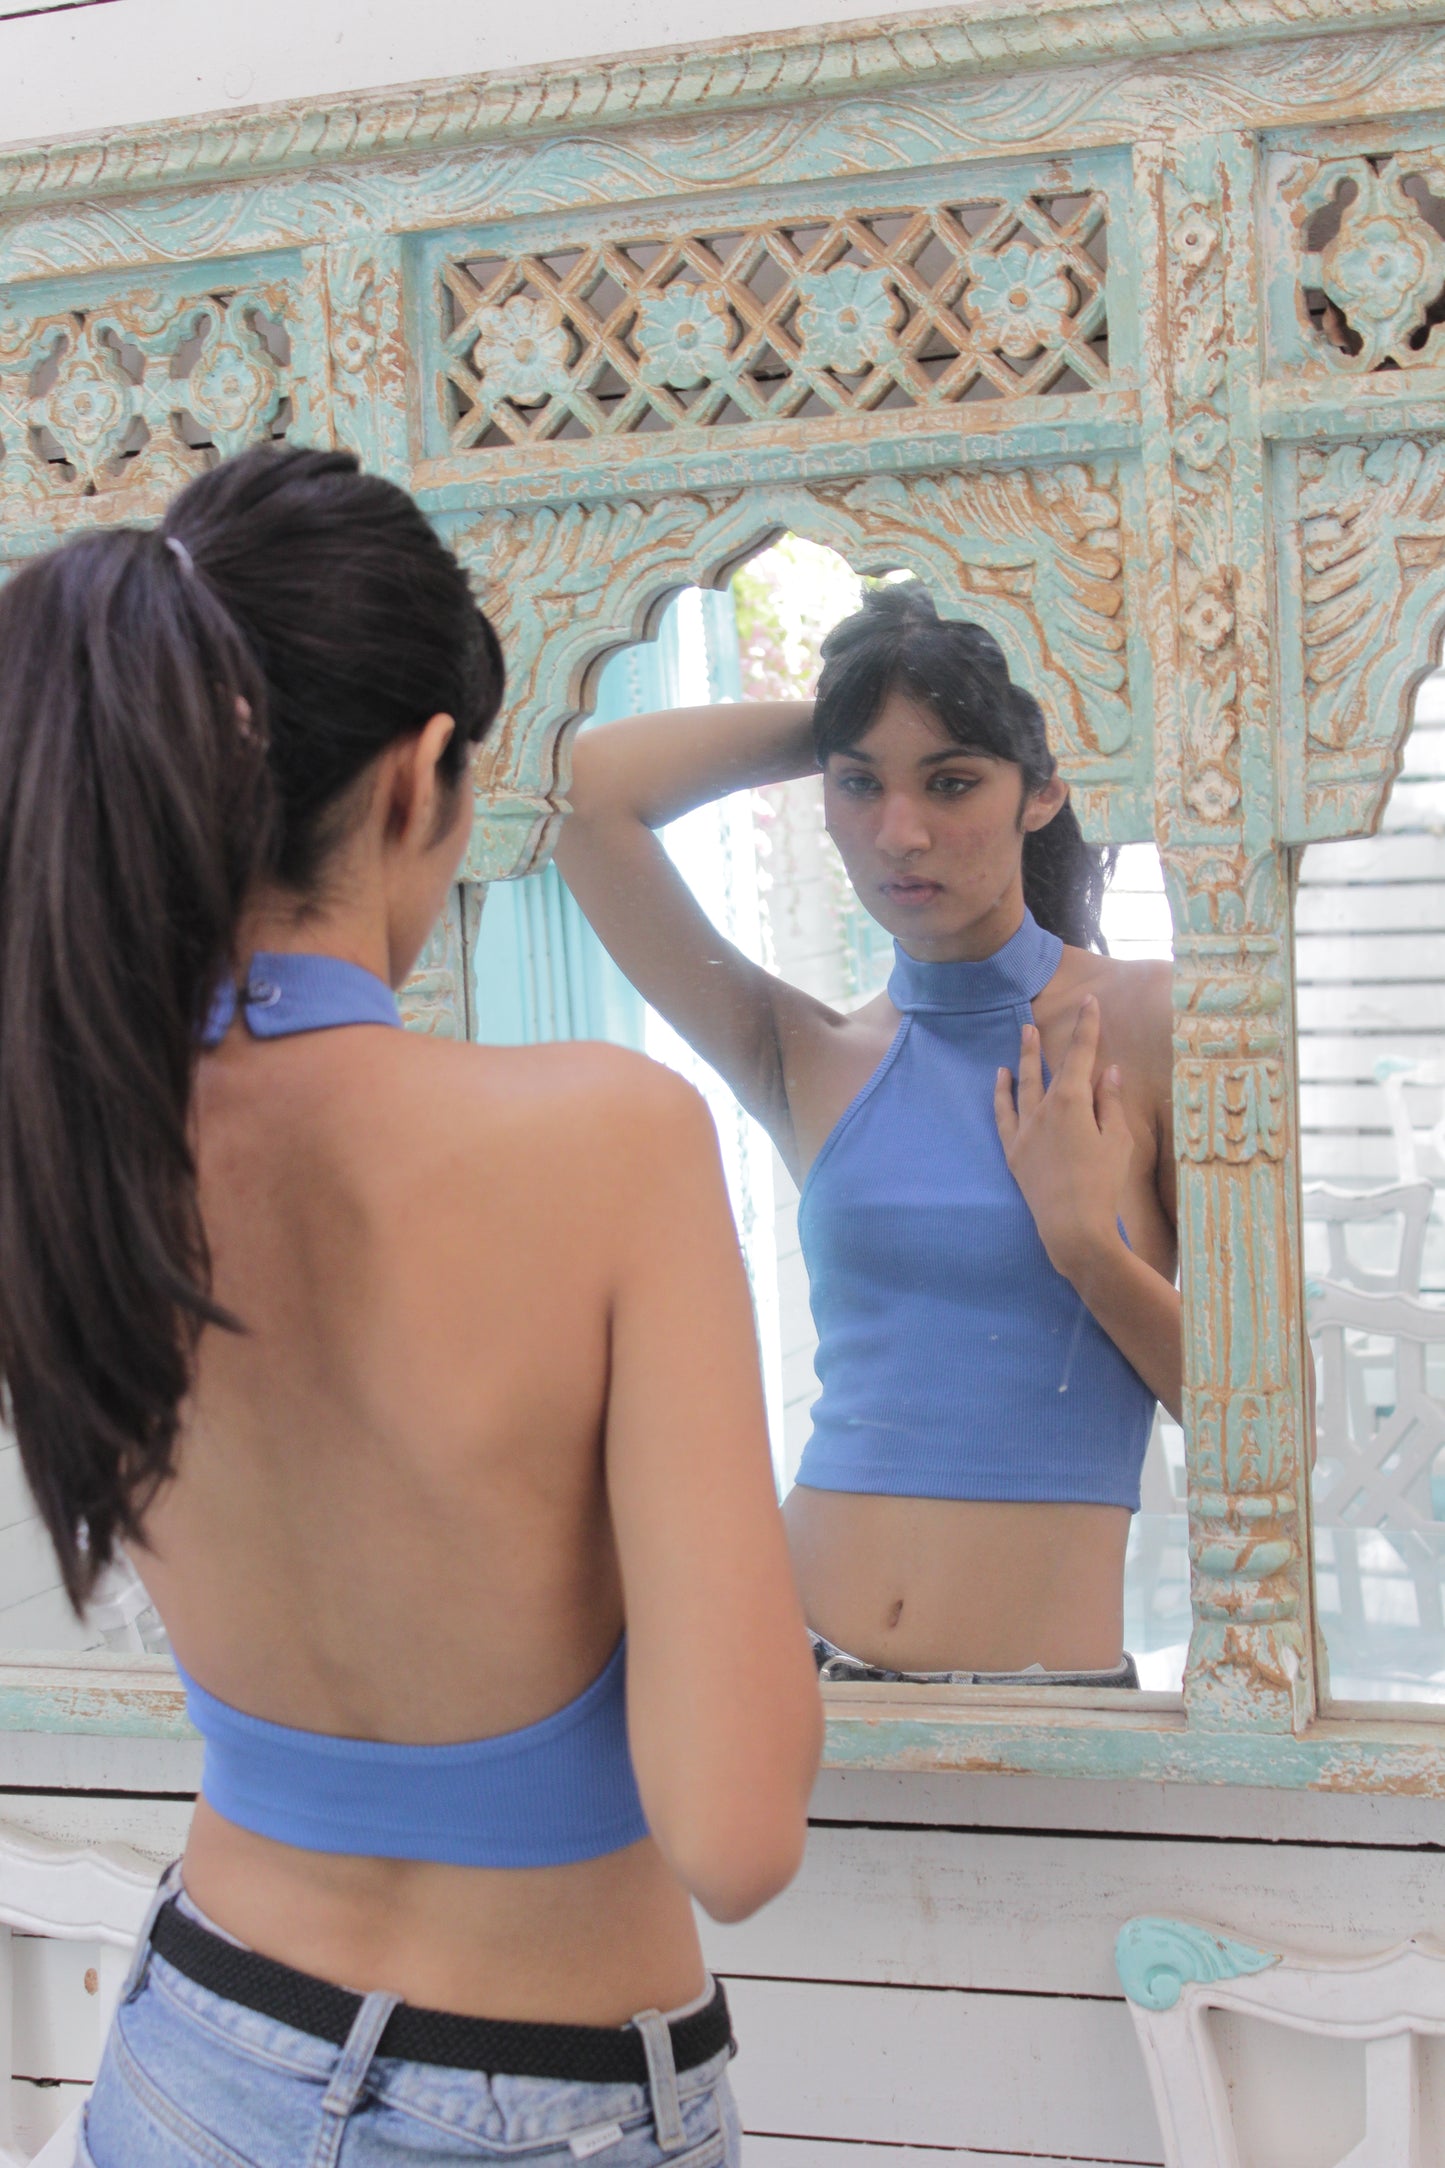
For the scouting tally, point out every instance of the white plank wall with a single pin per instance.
(1370, 948)
(943, 1990)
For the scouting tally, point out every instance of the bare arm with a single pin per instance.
(723, 1706)
(634, 776)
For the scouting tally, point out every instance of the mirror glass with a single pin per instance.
(1370, 949)
(35, 1614)
(768, 875)
(772, 881)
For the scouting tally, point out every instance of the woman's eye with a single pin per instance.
(953, 786)
(857, 786)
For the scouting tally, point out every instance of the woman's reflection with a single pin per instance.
(987, 1210)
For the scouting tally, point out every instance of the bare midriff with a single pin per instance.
(942, 1584)
(588, 1944)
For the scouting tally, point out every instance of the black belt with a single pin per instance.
(581, 2054)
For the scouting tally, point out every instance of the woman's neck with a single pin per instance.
(356, 933)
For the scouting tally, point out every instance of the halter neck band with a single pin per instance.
(287, 992)
(1016, 972)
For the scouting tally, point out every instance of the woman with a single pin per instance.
(991, 1268)
(410, 1371)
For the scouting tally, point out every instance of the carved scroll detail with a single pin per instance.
(1032, 552)
(1371, 547)
(434, 999)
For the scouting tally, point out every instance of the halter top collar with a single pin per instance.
(1015, 973)
(286, 992)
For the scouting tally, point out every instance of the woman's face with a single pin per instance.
(930, 835)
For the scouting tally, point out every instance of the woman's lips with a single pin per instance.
(915, 892)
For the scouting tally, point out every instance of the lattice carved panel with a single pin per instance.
(112, 409)
(999, 298)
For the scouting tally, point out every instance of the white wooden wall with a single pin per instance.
(939, 1983)
(1370, 937)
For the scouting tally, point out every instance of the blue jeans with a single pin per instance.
(190, 2080)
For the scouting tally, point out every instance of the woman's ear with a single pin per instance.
(1041, 805)
(419, 797)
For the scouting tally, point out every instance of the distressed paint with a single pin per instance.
(618, 325)
(1155, 1957)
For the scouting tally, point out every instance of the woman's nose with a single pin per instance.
(902, 831)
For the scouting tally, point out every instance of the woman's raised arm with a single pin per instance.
(723, 1707)
(632, 777)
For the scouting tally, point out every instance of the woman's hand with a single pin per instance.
(1069, 1147)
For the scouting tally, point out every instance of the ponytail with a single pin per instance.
(898, 641)
(132, 818)
(181, 717)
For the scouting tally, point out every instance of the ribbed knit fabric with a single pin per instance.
(559, 1790)
(955, 1362)
(286, 992)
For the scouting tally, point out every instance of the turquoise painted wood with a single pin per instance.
(1116, 323)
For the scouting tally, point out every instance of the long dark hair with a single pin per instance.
(897, 642)
(182, 715)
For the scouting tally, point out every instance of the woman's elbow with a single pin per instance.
(737, 1878)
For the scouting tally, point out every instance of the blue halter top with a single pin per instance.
(955, 1362)
(559, 1790)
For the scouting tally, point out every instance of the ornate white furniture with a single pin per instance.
(1177, 1974)
(97, 1895)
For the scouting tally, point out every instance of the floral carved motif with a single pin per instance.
(1203, 476)
(136, 396)
(1381, 269)
(918, 306)
(846, 318)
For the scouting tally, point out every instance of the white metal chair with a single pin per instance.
(1339, 1209)
(95, 1894)
(1380, 1431)
(1177, 1972)
(1393, 1074)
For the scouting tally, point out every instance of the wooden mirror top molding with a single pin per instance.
(1120, 324)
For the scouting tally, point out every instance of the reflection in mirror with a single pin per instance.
(1370, 948)
(964, 1477)
(34, 1611)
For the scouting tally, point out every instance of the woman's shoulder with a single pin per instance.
(574, 1097)
(1135, 997)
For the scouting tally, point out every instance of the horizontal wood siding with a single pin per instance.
(1370, 947)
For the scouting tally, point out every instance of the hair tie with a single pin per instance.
(188, 562)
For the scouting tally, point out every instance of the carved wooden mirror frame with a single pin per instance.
(1210, 536)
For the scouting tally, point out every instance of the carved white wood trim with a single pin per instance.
(96, 1893)
(1175, 1972)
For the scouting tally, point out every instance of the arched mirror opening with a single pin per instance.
(764, 870)
(1370, 952)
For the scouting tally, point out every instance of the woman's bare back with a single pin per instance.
(390, 1518)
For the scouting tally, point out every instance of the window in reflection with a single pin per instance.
(1370, 946)
(1156, 1572)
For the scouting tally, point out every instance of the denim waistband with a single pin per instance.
(835, 1664)
(659, 2084)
